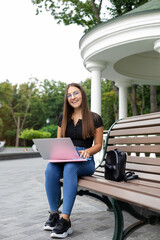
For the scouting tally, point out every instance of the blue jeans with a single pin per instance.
(70, 172)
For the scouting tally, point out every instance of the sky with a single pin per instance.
(34, 46)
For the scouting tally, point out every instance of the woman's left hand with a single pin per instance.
(84, 153)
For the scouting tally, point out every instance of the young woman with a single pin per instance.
(83, 127)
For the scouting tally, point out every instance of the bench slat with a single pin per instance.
(137, 148)
(137, 124)
(142, 175)
(144, 160)
(143, 168)
(139, 131)
(147, 183)
(135, 140)
(130, 185)
(148, 177)
(136, 181)
(140, 117)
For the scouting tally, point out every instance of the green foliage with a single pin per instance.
(47, 102)
(85, 13)
(5, 113)
(87, 87)
(52, 129)
(10, 135)
(1, 128)
(52, 97)
(142, 99)
(108, 114)
(36, 116)
(29, 134)
(121, 7)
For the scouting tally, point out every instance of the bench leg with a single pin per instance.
(119, 221)
(119, 232)
(102, 198)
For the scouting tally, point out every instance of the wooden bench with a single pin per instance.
(139, 137)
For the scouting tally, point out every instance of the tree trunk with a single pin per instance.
(97, 10)
(18, 131)
(153, 99)
(133, 101)
(143, 102)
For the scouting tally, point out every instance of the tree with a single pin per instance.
(20, 105)
(52, 96)
(132, 99)
(86, 13)
(120, 7)
(87, 87)
(1, 128)
(109, 102)
(5, 114)
(153, 99)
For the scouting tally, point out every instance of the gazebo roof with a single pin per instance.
(151, 5)
(126, 45)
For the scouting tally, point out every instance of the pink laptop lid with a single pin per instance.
(57, 149)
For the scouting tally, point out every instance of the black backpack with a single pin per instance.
(115, 165)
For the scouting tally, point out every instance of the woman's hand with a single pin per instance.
(84, 153)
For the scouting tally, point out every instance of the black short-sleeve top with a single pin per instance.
(75, 132)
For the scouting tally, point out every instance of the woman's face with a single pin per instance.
(74, 97)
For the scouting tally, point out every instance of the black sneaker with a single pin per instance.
(51, 222)
(62, 229)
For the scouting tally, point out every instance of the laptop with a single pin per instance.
(58, 150)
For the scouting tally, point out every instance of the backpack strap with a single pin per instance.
(106, 144)
(129, 176)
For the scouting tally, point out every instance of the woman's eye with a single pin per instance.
(69, 95)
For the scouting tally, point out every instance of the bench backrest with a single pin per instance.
(139, 137)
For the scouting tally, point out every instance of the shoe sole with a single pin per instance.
(63, 235)
(48, 228)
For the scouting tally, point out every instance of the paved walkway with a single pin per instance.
(24, 208)
(18, 149)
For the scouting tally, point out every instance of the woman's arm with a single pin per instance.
(98, 140)
(59, 132)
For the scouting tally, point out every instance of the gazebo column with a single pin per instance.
(123, 94)
(96, 68)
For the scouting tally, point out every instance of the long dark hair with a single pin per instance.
(88, 129)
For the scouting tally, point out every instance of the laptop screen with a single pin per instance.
(57, 149)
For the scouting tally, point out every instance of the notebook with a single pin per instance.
(57, 150)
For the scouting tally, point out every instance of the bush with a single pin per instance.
(1, 126)
(10, 136)
(52, 129)
(29, 134)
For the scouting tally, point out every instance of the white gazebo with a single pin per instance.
(125, 50)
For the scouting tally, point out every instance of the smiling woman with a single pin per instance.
(83, 127)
